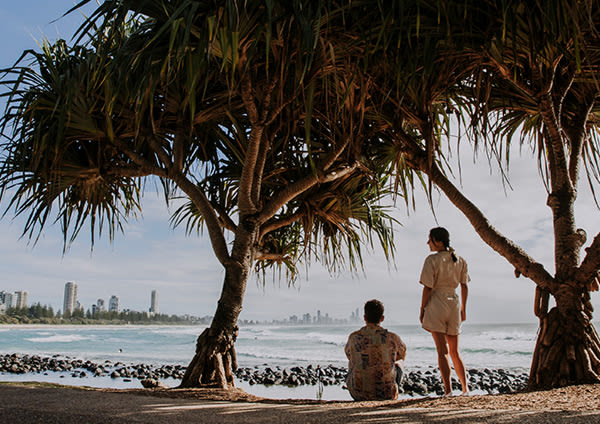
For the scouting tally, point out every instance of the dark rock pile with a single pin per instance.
(18, 364)
(420, 383)
(416, 383)
(294, 376)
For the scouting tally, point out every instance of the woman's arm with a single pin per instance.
(424, 301)
(464, 293)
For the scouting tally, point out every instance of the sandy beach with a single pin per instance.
(34, 403)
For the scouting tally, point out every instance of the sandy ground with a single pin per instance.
(34, 403)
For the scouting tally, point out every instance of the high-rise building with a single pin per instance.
(70, 301)
(153, 302)
(113, 304)
(7, 299)
(21, 301)
(98, 307)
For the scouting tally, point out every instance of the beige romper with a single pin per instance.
(443, 275)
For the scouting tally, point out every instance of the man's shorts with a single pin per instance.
(442, 313)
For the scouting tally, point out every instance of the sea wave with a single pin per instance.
(498, 352)
(59, 338)
(508, 336)
(187, 330)
(274, 358)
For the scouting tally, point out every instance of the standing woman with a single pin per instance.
(441, 310)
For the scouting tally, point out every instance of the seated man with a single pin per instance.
(372, 353)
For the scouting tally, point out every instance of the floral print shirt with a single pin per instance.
(372, 352)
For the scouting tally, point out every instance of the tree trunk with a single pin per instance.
(567, 350)
(215, 360)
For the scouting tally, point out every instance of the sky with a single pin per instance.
(150, 255)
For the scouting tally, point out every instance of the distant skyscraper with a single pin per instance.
(154, 302)
(70, 302)
(7, 299)
(21, 301)
(98, 307)
(113, 304)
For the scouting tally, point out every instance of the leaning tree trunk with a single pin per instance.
(567, 350)
(215, 360)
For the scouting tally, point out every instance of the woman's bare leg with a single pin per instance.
(459, 367)
(443, 360)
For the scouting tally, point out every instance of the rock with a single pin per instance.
(152, 383)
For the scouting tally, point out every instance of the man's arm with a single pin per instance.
(401, 349)
(348, 348)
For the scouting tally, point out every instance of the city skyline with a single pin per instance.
(71, 292)
(71, 301)
(19, 299)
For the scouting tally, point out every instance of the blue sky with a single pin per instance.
(152, 256)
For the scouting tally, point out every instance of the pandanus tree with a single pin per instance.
(514, 72)
(242, 108)
(539, 76)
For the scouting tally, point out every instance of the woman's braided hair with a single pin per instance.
(441, 234)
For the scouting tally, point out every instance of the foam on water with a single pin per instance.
(63, 338)
(483, 346)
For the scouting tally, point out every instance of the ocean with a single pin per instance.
(506, 346)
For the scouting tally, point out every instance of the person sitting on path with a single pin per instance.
(372, 354)
(441, 310)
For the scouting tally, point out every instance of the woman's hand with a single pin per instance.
(421, 315)
(463, 315)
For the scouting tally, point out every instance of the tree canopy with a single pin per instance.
(287, 125)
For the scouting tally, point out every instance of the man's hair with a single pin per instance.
(373, 311)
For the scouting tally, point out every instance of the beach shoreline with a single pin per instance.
(42, 403)
(320, 382)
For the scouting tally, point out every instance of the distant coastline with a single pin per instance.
(83, 322)
(6, 320)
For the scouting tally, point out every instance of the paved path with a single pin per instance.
(33, 405)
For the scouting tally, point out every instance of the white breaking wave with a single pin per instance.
(59, 338)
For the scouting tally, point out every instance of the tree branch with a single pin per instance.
(128, 171)
(553, 130)
(246, 205)
(508, 77)
(139, 160)
(549, 110)
(159, 151)
(178, 146)
(523, 263)
(277, 257)
(259, 168)
(576, 131)
(209, 214)
(589, 269)
(298, 188)
(225, 219)
(276, 224)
